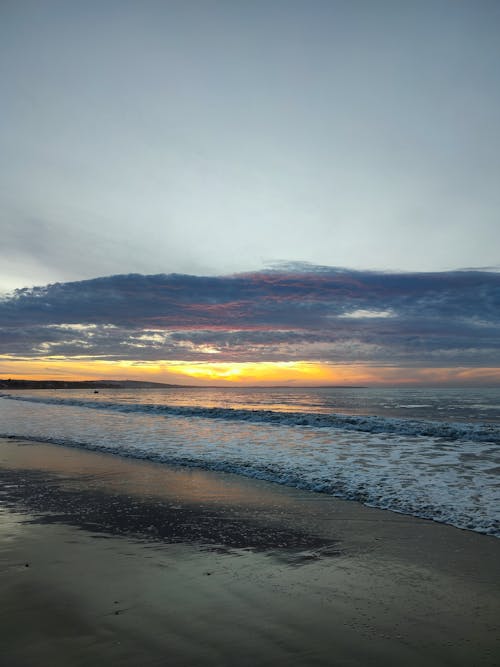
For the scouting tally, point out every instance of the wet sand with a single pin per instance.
(109, 561)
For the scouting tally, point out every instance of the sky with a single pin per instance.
(227, 172)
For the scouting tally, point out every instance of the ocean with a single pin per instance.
(432, 453)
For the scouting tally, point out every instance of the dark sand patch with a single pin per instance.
(51, 500)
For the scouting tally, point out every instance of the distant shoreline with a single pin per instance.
(83, 384)
(142, 384)
(138, 384)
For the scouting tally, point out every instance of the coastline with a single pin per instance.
(107, 560)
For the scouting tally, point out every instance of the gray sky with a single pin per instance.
(217, 137)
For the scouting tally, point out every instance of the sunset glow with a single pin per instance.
(309, 326)
(300, 373)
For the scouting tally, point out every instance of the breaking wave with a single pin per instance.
(475, 432)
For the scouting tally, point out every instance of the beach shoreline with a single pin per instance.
(106, 560)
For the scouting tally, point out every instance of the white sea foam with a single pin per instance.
(429, 472)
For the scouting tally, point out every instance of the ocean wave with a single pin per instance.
(475, 432)
(370, 492)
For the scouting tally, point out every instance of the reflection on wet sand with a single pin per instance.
(143, 478)
(108, 495)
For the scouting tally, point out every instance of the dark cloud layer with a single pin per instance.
(296, 312)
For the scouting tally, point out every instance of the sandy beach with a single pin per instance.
(109, 561)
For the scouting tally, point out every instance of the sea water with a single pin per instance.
(432, 453)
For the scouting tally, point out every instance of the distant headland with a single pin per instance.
(83, 384)
(141, 384)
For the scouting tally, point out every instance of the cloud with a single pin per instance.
(293, 312)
